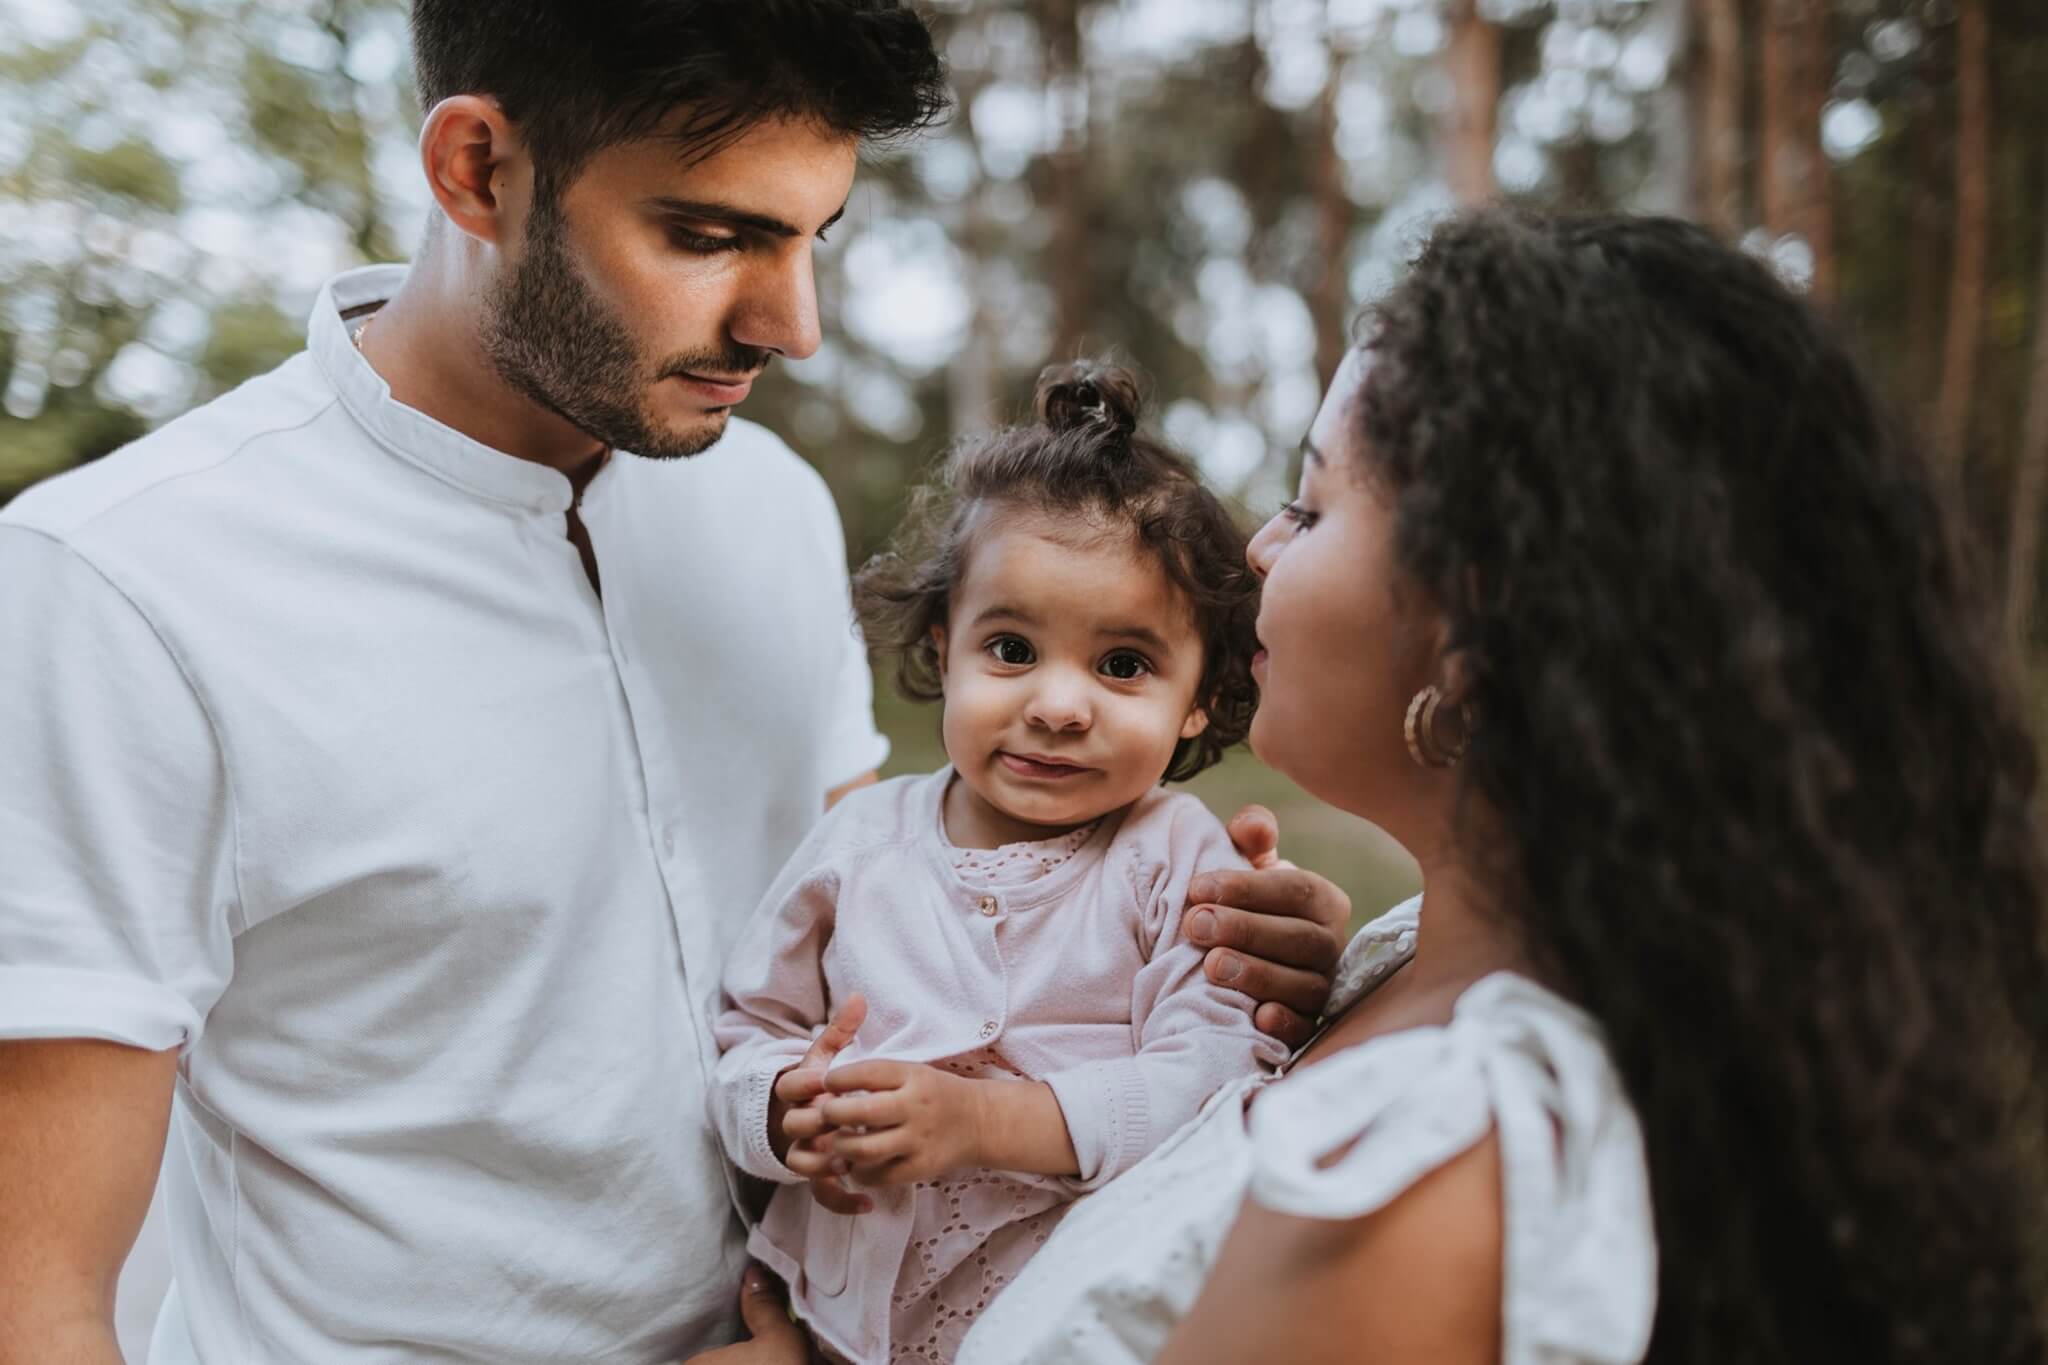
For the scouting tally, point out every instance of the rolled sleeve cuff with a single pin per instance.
(752, 1154)
(1108, 1117)
(69, 1002)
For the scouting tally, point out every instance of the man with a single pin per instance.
(387, 757)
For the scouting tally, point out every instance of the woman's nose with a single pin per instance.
(1266, 544)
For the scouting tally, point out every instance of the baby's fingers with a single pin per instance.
(869, 1109)
(800, 1085)
(871, 1148)
(810, 1160)
(800, 1125)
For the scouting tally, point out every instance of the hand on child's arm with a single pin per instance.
(895, 1123)
(1274, 932)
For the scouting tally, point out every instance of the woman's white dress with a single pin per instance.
(1345, 1137)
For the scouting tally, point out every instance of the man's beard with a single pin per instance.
(551, 339)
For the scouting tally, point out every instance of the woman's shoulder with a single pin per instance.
(1519, 1074)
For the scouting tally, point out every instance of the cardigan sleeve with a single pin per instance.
(773, 1000)
(1191, 1037)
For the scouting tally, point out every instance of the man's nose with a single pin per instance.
(779, 310)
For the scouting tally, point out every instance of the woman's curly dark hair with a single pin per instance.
(1767, 786)
(1084, 456)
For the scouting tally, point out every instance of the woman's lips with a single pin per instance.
(1039, 768)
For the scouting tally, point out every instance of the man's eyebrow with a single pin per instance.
(712, 210)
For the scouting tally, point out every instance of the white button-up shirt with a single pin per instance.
(321, 760)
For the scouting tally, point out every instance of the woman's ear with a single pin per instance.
(1197, 721)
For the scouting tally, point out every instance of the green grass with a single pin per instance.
(1371, 868)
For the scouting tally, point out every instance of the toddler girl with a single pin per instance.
(996, 946)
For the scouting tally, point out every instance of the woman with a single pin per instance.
(1718, 1039)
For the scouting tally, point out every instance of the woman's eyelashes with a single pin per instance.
(1301, 515)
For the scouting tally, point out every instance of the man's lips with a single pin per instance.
(720, 392)
(1040, 766)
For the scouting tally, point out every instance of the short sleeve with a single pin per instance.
(1347, 1136)
(116, 885)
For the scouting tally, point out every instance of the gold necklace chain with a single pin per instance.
(362, 331)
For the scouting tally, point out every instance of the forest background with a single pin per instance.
(1212, 187)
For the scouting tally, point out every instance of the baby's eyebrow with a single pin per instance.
(1144, 635)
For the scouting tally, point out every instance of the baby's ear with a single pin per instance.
(939, 649)
(1197, 721)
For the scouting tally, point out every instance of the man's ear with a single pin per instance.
(477, 168)
(1197, 721)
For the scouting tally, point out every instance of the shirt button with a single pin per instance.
(988, 1028)
(988, 905)
(668, 843)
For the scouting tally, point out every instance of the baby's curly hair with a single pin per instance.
(1086, 455)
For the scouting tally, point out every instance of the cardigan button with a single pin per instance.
(988, 905)
(988, 1028)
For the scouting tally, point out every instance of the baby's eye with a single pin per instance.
(1008, 649)
(1125, 665)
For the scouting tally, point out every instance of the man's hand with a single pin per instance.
(896, 1123)
(772, 1339)
(1274, 933)
(795, 1128)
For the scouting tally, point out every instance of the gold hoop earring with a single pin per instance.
(1425, 745)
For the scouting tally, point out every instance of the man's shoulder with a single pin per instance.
(200, 444)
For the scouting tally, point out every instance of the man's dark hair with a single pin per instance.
(1086, 462)
(578, 76)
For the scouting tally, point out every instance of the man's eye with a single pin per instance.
(689, 239)
(1124, 665)
(1008, 649)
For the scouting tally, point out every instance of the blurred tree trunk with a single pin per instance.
(1794, 69)
(1927, 140)
(2023, 568)
(1674, 180)
(1472, 61)
(1716, 73)
(1067, 97)
(1971, 238)
(1333, 232)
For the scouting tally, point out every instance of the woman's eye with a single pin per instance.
(1124, 665)
(1301, 516)
(1008, 649)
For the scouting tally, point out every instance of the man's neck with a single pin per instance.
(427, 346)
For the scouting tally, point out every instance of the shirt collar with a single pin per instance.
(407, 432)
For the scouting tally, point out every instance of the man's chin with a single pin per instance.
(681, 440)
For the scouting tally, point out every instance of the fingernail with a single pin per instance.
(840, 1165)
(1230, 968)
(754, 1281)
(867, 1206)
(1202, 925)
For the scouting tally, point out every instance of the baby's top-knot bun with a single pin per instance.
(1089, 392)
